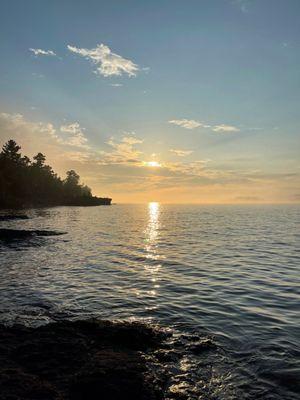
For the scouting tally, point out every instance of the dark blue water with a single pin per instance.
(230, 273)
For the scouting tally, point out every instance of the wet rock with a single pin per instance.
(180, 391)
(16, 384)
(202, 345)
(191, 337)
(166, 355)
(79, 360)
(113, 375)
(12, 217)
(19, 234)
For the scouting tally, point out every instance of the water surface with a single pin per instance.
(227, 272)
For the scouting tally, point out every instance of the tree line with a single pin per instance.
(25, 182)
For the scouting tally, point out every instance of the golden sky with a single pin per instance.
(124, 172)
(175, 102)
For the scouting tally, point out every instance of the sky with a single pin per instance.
(174, 101)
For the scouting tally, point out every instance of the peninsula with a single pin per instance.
(33, 183)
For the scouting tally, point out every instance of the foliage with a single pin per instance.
(24, 182)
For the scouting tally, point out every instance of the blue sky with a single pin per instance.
(193, 99)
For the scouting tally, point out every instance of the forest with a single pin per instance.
(33, 183)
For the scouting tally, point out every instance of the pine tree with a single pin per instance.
(10, 151)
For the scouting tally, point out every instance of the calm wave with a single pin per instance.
(230, 273)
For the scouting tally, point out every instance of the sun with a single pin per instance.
(154, 164)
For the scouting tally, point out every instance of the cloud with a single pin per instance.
(242, 4)
(119, 170)
(33, 136)
(188, 123)
(123, 157)
(181, 153)
(35, 74)
(116, 84)
(123, 151)
(192, 124)
(225, 128)
(41, 52)
(45, 133)
(125, 154)
(16, 122)
(108, 63)
(198, 169)
(79, 156)
(76, 136)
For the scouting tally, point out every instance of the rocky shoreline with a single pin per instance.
(80, 360)
(19, 204)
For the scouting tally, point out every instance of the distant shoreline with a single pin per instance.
(79, 202)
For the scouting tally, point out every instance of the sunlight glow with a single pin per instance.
(154, 164)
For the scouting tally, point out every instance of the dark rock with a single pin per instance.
(166, 355)
(79, 360)
(16, 384)
(202, 345)
(191, 337)
(12, 234)
(12, 217)
(113, 375)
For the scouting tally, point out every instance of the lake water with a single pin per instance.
(230, 273)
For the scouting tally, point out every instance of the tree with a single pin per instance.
(86, 191)
(39, 160)
(72, 178)
(10, 151)
(26, 161)
(24, 183)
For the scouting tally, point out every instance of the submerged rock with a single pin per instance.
(12, 217)
(202, 345)
(11, 234)
(79, 360)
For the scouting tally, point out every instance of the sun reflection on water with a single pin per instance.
(152, 227)
(152, 267)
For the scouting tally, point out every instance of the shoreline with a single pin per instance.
(101, 359)
(79, 202)
(80, 360)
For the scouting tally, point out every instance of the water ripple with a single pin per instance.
(230, 272)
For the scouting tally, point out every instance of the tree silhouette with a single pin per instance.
(10, 151)
(72, 178)
(39, 160)
(27, 183)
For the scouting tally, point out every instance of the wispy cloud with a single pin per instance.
(41, 52)
(225, 128)
(198, 169)
(65, 137)
(16, 122)
(116, 84)
(242, 4)
(120, 168)
(79, 156)
(107, 62)
(76, 136)
(34, 136)
(181, 153)
(192, 124)
(188, 123)
(122, 151)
